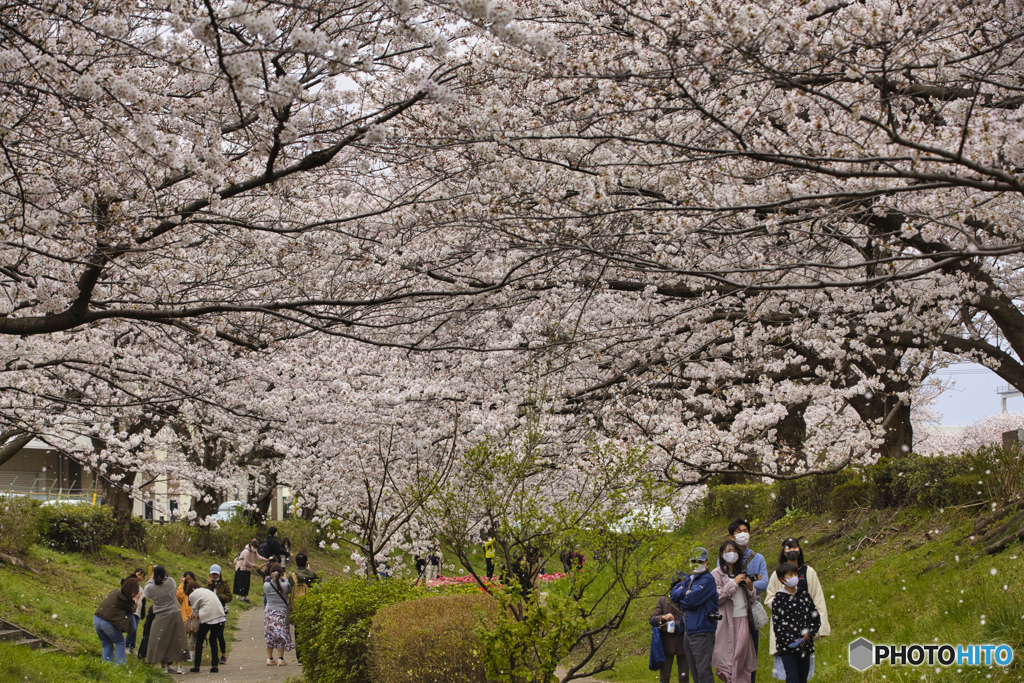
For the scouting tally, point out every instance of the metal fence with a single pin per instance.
(53, 493)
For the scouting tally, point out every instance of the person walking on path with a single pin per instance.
(698, 597)
(206, 605)
(223, 591)
(245, 565)
(807, 580)
(795, 621)
(112, 619)
(168, 644)
(275, 615)
(734, 659)
(302, 579)
(665, 613)
(186, 608)
(755, 567)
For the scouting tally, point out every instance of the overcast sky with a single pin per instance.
(973, 395)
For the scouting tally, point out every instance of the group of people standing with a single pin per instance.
(180, 617)
(713, 617)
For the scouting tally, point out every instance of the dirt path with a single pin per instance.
(247, 657)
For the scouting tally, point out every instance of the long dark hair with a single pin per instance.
(159, 574)
(791, 543)
(739, 564)
(130, 587)
(274, 572)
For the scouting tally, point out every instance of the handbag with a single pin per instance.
(757, 613)
(657, 650)
(191, 625)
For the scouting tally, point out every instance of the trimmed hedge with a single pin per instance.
(429, 640)
(986, 475)
(749, 501)
(19, 525)
(76, 528)
(333, 622)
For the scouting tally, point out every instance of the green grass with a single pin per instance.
(913, 579)
(29, 666)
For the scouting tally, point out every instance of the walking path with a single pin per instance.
(247, 657)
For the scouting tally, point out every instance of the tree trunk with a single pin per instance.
(12, 448)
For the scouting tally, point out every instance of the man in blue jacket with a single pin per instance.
(698, 597)
(756, 569)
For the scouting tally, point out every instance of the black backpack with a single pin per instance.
(265, 547)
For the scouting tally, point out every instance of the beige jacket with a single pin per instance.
(814, 588)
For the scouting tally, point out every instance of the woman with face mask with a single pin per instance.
(734, 658)
(807, 581)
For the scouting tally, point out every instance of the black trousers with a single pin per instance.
(490, 567)
(144, 643)
(216, 632)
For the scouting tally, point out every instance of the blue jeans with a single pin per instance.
(112, 640)
(797, 666)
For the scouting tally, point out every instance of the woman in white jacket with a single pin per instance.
(207, 607)
(792, 553)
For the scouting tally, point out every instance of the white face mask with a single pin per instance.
(730, 557)
(743, 538)
(699, 568)
(793, 581)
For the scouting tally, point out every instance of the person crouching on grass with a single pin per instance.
(795, 622)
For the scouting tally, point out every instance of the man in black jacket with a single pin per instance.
(271, 546)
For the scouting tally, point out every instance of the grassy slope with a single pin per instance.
(71, 587)
(913, 579)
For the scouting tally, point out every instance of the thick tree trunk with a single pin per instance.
(898, 438)
(13, 447)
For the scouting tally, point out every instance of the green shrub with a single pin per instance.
(19, 524)
(850, 495)
(76, 528)
(933, 481)
(138, 534)
(749, 501)
(429, 640)
(333, 622)
(811, 494)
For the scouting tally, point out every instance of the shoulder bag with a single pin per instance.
(756, 612)
(192, 625)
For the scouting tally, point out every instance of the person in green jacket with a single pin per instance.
(489, 556)
(111, 619)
